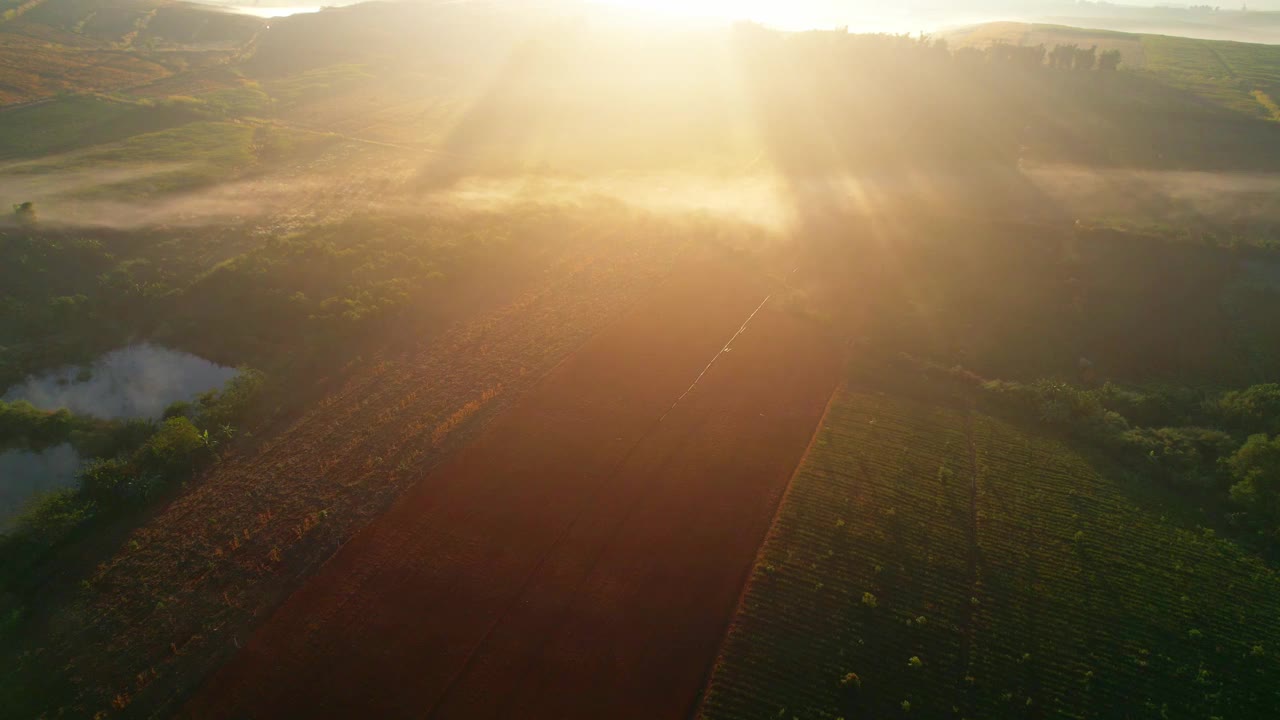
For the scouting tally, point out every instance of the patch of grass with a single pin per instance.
(66, 124)
(246, 99)
(174, 159)
(1048, 587)
(1269, 104)
(1223, 73)
(314, 83)
(54, 516)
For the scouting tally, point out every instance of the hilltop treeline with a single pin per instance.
(1062, 57)
(870, 101)
(900, 100)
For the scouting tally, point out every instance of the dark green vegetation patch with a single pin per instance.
(934, 563)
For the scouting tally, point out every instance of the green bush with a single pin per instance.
(1255, 472)
(1185, 456)
(218, 409)
(1255, 410)
(1154, 406)
(25, 214)
(18, 420)
(54, 516)
(182, 408)
(24, 426)
(1063, 407)
(106, 481)
(174, 447)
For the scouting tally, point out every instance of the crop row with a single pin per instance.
(932, 563)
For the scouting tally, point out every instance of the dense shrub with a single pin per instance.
(54, 516)
(182, 408)
(219, 409)
(1183, 456)
(1153, 406)
(1255, 410)
(1210, 460)
(1063, 407)
(173, 448)
(1255, 472)
(106, 481)
(22, 425)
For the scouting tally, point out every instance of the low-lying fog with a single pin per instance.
(757, 195)
(29, 474)
(138, 381)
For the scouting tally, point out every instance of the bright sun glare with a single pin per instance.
(857, 15)
(790, 15)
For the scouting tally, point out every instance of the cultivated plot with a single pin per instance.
(582, 558)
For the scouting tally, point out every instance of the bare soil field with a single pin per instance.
(582, 558)
(184, 591)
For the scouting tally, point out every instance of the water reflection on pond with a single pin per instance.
(138, 381)
(23, 475)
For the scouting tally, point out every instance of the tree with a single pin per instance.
(25, 214)
(1109, 61)
(1255, 468)
(1024, 56)
(106, 481)
(1254, 410)
(1086, 59)
(174, 446)
(1063, 56)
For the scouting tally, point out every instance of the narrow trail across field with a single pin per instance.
(583, 556)
(968, 619)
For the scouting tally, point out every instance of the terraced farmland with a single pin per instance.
(929, 562)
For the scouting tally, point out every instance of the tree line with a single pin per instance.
(897, 48)
(1061, 57)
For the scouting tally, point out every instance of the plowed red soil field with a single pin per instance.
(583, 556)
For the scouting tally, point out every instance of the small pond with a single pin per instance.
(138, 381)
(24, 475)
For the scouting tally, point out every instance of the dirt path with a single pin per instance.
(583, 556)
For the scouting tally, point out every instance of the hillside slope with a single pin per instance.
(56, 46)
(1242, 77)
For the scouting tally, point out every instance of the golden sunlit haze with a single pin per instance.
(795, 15)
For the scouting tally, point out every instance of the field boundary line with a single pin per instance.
(603, 547)
(836, 392)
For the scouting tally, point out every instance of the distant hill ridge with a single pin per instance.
(48, 47)
(1243, 77)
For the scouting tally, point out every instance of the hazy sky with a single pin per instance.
(877, 15)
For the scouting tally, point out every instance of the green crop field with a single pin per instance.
(174, 159)
(72, 122)
(930, 562)
(1227, 73)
